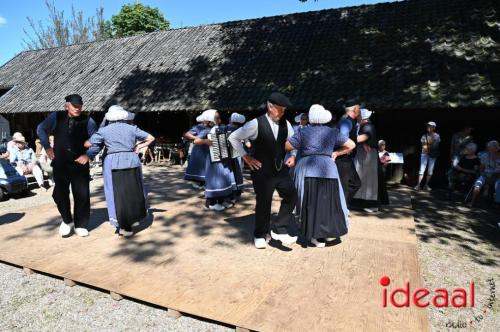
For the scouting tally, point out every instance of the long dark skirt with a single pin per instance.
(321, 213)
(128, 196)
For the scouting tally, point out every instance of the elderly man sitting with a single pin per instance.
(24, 159)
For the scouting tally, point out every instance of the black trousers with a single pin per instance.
(264, 186)
(349, 178)
(78, 177)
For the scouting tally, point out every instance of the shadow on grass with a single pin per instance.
(450, 223)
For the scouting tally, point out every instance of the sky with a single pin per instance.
(180, 13)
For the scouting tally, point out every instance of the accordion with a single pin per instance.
(221, 149)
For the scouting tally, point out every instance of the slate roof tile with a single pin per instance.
(411, 54)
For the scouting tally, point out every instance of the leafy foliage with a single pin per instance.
(59, 30)
(135, 19)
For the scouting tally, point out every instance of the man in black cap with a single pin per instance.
(349, 178)
(268, 134)
(70, 163)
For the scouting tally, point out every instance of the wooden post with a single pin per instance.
(69, 282)
(28, 271)
(116, 296)
(173, 313)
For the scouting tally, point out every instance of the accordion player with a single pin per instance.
(221, 149)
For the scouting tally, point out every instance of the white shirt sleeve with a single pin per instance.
(248, 132)
(290, 134)
(290, 129)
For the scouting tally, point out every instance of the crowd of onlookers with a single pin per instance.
(471, 172)
(26, 161)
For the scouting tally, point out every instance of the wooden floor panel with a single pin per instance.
(204, 264)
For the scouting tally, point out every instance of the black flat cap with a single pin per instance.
(74, 99)
(279, 99)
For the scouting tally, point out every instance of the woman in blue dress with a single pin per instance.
(220, 184)
(321, 203)
(123, 166)
(195, 171)
(301, 121)
(107, 175)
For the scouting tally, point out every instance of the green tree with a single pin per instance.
(136, 19)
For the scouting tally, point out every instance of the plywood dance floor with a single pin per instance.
(203, 263)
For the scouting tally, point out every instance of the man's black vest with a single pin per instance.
(69, 138)
(353, 135)
(268, 150)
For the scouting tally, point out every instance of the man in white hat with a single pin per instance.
(430, 152)
(24, 158)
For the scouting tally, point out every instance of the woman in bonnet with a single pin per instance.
(321, 204)
(122, 167)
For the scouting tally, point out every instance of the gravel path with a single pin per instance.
(41, 303)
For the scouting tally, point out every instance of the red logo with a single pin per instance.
(423, 297)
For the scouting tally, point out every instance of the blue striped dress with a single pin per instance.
(220, 181)
(196, 168)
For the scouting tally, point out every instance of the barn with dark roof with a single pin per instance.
(410, 61)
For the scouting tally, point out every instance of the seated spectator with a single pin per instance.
(24, 160)
(466, 170)
(11, 145)
(38, 148)
(490, 172)
(458, 143)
